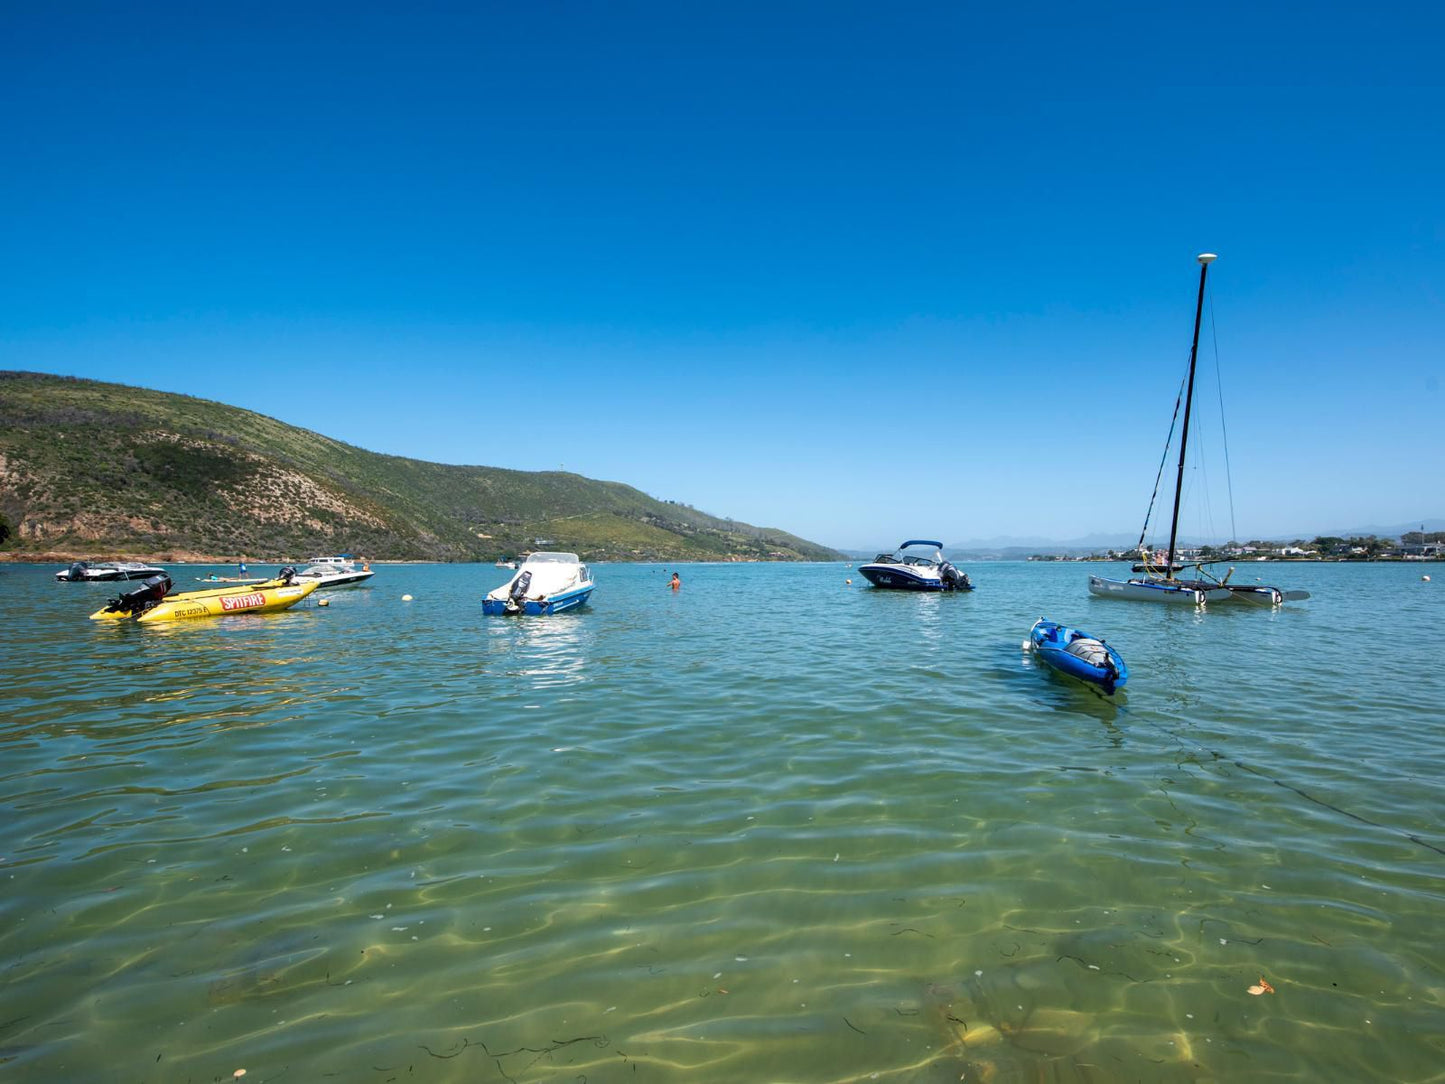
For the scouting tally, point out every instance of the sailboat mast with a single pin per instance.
(1205, 259)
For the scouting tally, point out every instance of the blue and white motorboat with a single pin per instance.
(546, 583)
(918, 565)
(1077, 654)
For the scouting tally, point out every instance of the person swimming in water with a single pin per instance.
(676, 581)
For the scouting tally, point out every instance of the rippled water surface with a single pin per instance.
(772, 827)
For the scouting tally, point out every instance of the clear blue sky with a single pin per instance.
(859, 271)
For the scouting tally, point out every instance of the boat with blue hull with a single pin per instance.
(1075, 653)
(918, 565)
(546, 583)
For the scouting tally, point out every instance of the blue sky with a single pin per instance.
(859, 272)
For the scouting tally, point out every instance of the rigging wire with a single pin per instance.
(1164, 458)
(1224, 432)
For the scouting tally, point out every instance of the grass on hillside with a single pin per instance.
(89, 466)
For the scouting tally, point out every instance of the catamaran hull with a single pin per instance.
(1262, 595)
(1155, 591)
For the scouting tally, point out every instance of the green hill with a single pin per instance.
(94, 469)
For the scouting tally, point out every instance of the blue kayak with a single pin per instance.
(1076, 653)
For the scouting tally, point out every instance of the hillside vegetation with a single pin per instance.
(90, 469)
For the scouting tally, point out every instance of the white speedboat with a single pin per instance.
(329, 572)
(546, 583)
(107, 571)
(917, 566)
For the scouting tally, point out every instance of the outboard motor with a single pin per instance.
(287, 574)
(518, 594)
(76, 572)
(953, 579)
(142, 598)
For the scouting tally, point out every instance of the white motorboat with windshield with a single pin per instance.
(335, 572)
(917, 566)
(546, 583)
(107, 572)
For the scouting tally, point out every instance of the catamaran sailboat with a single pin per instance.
(1159, 584)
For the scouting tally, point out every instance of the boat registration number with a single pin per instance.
(242, 602)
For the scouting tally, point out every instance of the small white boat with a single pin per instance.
(334, 572)
(546, 583)
(107, 572)
(917, 566)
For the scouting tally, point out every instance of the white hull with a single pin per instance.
(338, 578)
(82, 572)
(1266, 596)
(1143, 590)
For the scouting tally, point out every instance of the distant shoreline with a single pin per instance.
(54, 557)
(171, 557)
(1046, 560)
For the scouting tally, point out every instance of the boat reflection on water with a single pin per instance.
(546, 654)
(925, 619)
(1060, 693)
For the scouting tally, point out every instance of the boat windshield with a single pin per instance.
(327, 568)
(920, 553)
(912, 553)
(553, 558)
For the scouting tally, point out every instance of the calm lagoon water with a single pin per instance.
(769, 828)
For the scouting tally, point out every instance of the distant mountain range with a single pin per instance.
(1011, 547)
(1019, 547)
(1429, 525)
(89, 469)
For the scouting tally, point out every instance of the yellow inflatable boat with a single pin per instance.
(149, 602)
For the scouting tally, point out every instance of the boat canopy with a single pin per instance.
(921, 542)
